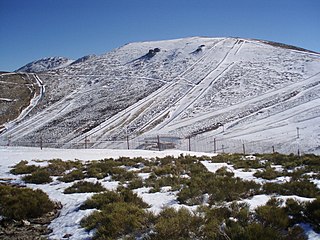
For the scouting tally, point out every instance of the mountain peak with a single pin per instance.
(45, 64)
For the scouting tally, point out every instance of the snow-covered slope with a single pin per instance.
(231, 89)
(46, 64)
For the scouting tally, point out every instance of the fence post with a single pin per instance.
(159, 142)
(244, 149)
(85, 142)
(41, 142)
(214, 145)
(128, 142)
(189, 143)
(9, 140)
(222, 148)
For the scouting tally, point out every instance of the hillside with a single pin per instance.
(20, 92)
(234, 90)
(45, 64)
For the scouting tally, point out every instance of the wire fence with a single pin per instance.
(199, 143)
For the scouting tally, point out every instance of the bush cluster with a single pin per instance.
(84, 187)
(302, 188)
(268, 173)
(73, 175)
(221, 186)
(23, 168)
(23, 203)
(40, 176)
(121, 214)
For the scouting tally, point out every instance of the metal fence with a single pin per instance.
(197, 143)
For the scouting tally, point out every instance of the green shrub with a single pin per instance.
(23, 168)
(84, 187)
(99, 200)
(130, 197)
(23, 203)
(272, 216)
(220, 158)
(133, 162)
(247, 164)
(215, 185)
(122, 175)
(136, 183)
(40, 176)
(268, 173)
(156, 183)
(312, 213)
(118, 220)
(124, 195)
(57, 167)
(237, 222)
(302, 188)
(95, 172)
(223, 172)
(102, 168)
(177, 224)
(76, 174)
(295, 210)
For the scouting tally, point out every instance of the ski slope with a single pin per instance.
(230, 89)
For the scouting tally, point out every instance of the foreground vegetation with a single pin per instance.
(23, 203)
(218, 195)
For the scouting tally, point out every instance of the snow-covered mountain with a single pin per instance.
(232, 90)
(45, 64)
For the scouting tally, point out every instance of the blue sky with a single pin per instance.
(33, 29)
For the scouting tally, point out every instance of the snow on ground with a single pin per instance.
(312, 235)
(240, 173)
(262, 199)
(69, 219)
(12, 155)
(162, 199)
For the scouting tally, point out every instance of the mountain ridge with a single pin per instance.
(184, 88)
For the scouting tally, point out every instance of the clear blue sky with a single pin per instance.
(33, 29)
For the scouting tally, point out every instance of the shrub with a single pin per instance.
(237, 222)
(57, 167)
(223, 172)
(130, 197)
(76, 174)
(177, 224)
(118, 220)
(215, 185)
(99, 200)
(40, 176)
(269, 173)
(312, 213)
(247, 164)
(136, 183)
(95, 172)
(273, 217)
(294, 209)
(23, 203)
(303, 188)
(101, 168)
(122, 175)
(83, 187)
(124, 195)
(23, 168)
